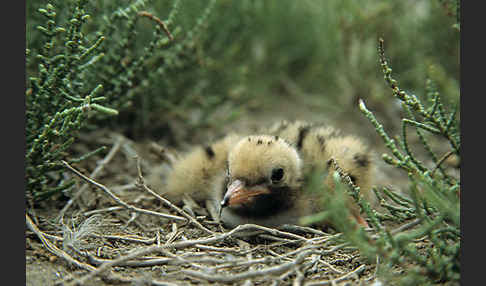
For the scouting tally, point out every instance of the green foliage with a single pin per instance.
(84, 67)
(327, 48)
(225, 53)
(145, 70)
(427, 247)
(57, 99)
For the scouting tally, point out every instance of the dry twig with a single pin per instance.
(118, 200)
(93, 175)
(301, 254)
(158, 21)
(346, 276)
(274, 270)
(441, 160)
(141, 184)
(53, 248)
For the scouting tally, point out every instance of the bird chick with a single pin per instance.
(196, 172)
(260, 178)
(263, 181)
(318, 143)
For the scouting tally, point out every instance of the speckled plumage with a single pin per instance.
(259, 178)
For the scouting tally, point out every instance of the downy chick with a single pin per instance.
(259, 178)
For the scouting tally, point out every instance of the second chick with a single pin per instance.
(260, 178)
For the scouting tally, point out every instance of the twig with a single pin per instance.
(330, 267)
(121, 188)
(222, 249)
(151, 282)
(277, 254)
(60, 253)
(173, 235)
(178, 245)
(299, 277)
(279, 239)
(249, 256)
(442, 161)
(118, 200)
(401, 228)
(144, 263)
(406, 226)
(251, 274)
(133, 217)
(239, 263)
(93, 175)
(141, 183)
(284, 275)
(110, 209)
(346, 276)
(49, 236)
(147, 241)
(298, 228)
(158, 21)
(302, 253)
(53, 249)
(277, 232)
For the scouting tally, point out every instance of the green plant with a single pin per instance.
(430, 251)
(83, 68)
(58, 101)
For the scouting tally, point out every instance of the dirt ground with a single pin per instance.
(184, 253)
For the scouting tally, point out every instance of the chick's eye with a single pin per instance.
(277, 175)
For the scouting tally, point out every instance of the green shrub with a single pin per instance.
(429, 252)
(83, 68)
(58, 101)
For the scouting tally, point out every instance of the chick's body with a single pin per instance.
(260, 178)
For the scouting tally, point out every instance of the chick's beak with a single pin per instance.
(237, 193)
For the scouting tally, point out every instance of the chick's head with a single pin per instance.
(264, 172)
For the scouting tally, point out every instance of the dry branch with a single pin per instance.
(53, 248)
(93, 175)
(275, 270)
(346, 276)
(141, 183)
(158, 21)
(118, 200)
(216, 238)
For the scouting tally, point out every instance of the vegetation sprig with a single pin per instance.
(58, 102)
(434, 197)
(427, 246)
(84, 68)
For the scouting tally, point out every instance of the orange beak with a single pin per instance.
(237, 193)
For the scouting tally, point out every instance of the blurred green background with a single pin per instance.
(258, 60)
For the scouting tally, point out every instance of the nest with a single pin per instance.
(116, 229)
